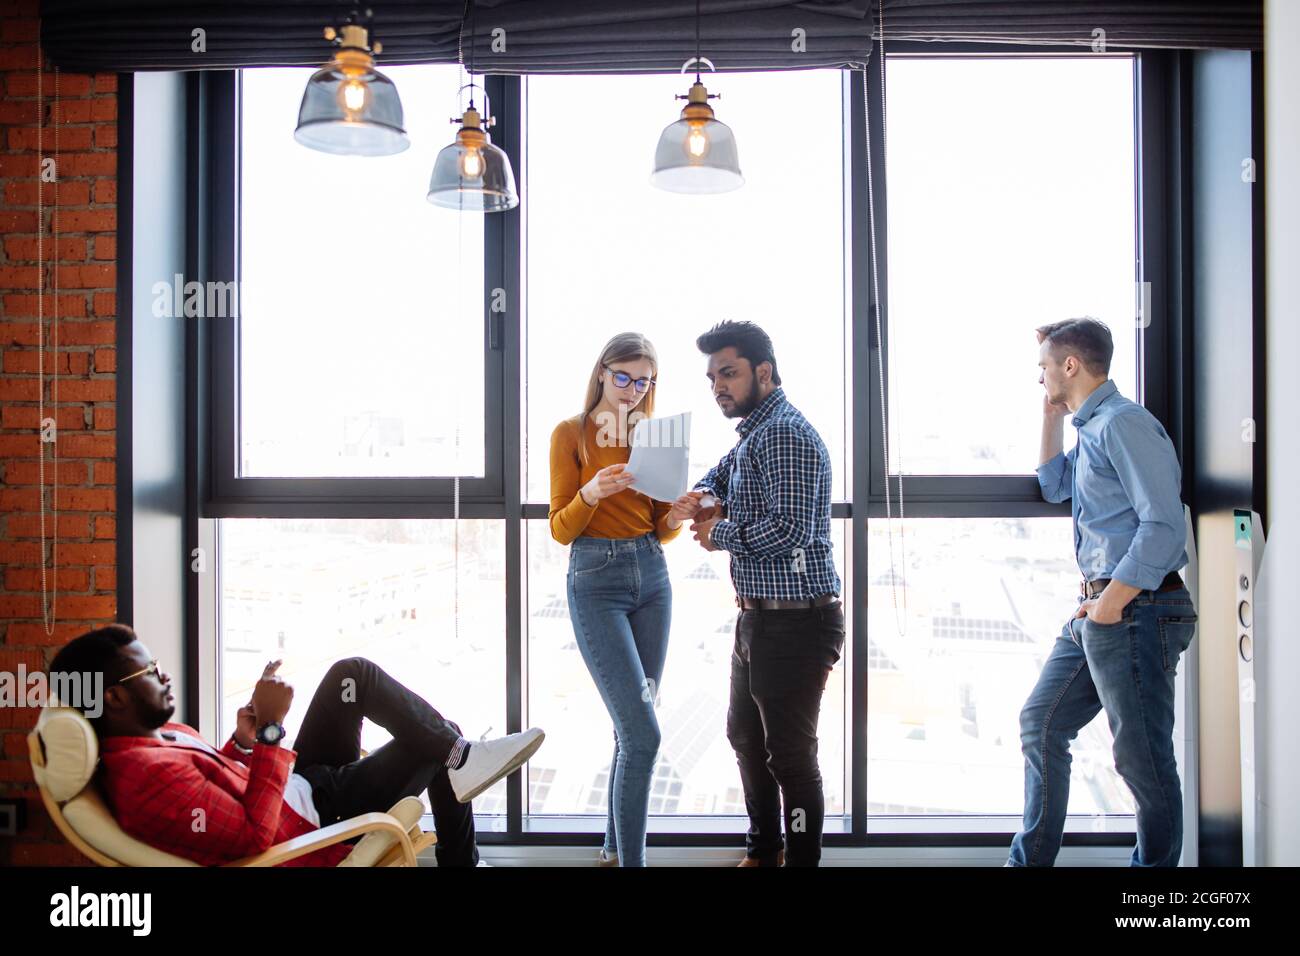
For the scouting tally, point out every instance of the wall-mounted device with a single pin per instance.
(1248, 536)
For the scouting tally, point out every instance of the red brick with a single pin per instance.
(87, 164)
(20, 553)
(14, 446)
(19, 164)
(86, 607)
(50, 139)
(88, 220)
(87, 277)
(88, 390)
(23, 306)
(105, 304)
(33, 634)
(88, 446)
(105, 418)
(88, 499)
(78, 363)
(28, 361)
(105, 82)
(20, 389)
(20, 29)
(65, 248)
(105, 246)
(29, 579)
(29, 416)
(85, 555)
(87, 333)
(19, 112)
(103, 109)
(29, 472)
(17, 221)
(20, 499)
(46, 854)
(68, 525)
(19, 605)
(106, 136)
(106, 360)
(106, 579)
(105, 528)
(19, 277)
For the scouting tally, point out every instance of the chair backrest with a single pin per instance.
(65, 753)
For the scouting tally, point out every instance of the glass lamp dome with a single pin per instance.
(349, 107)
(471, 174)
(697, 154)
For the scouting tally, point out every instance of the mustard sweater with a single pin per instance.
(623, 515)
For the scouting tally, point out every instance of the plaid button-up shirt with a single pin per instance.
(776, 484)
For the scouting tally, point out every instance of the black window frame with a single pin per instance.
(221, 493)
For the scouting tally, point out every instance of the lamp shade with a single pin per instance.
(352, 112)
(471, 174)
(697, 156)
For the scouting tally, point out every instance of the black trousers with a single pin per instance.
(779, 666)
(345, 784)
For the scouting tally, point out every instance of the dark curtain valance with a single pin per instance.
(576, 36)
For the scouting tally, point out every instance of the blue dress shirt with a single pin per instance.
(1123, 481)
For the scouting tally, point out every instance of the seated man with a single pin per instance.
(169, 788)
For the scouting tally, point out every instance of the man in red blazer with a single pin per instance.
(168, 787)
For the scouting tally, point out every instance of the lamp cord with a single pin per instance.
(49, 588)
(900, 622)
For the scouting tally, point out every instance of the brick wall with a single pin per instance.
(80, 250)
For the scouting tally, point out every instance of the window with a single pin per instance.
(609, 253)
(1011, 191)
(362, 375)
(960, 630)
(312, 592)
(697, 767)
(361, 345)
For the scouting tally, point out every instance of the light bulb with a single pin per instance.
(697, 142)
(354, 94)
(471, 164)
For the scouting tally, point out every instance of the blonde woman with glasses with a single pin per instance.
(620, 599)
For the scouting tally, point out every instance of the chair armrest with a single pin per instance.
(330, 835)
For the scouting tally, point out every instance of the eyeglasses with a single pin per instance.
(151, 669)
(622, 380)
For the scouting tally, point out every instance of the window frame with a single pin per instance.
(220, 492)
(234, 494)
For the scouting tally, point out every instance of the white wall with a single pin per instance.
(1279, 655)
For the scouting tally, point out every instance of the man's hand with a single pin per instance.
(272, 697)
(1054, 410)
(703, 531)
(246, 726)
(685, 507)
(1108, 606)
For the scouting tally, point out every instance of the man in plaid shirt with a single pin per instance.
(775, 486)
(168, 787)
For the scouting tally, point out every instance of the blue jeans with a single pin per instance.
(1127, 668)
(621, 602)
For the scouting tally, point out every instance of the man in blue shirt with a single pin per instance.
(775, 485)
(1119, 652)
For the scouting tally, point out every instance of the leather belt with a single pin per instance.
(1091, 589)
(771, 604)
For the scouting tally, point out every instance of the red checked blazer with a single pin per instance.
(154, 786)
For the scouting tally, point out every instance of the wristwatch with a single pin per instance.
(270, 733)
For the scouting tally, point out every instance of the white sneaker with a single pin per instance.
(490, 760)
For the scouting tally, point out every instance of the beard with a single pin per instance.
(742, 407)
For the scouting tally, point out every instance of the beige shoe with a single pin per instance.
(755, 861)
(604, 860)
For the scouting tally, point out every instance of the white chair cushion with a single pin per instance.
(371, 847)
(89, 816)
(71, 752)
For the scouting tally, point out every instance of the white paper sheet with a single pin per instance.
(660, 456)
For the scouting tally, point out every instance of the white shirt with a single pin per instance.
(297, 789)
